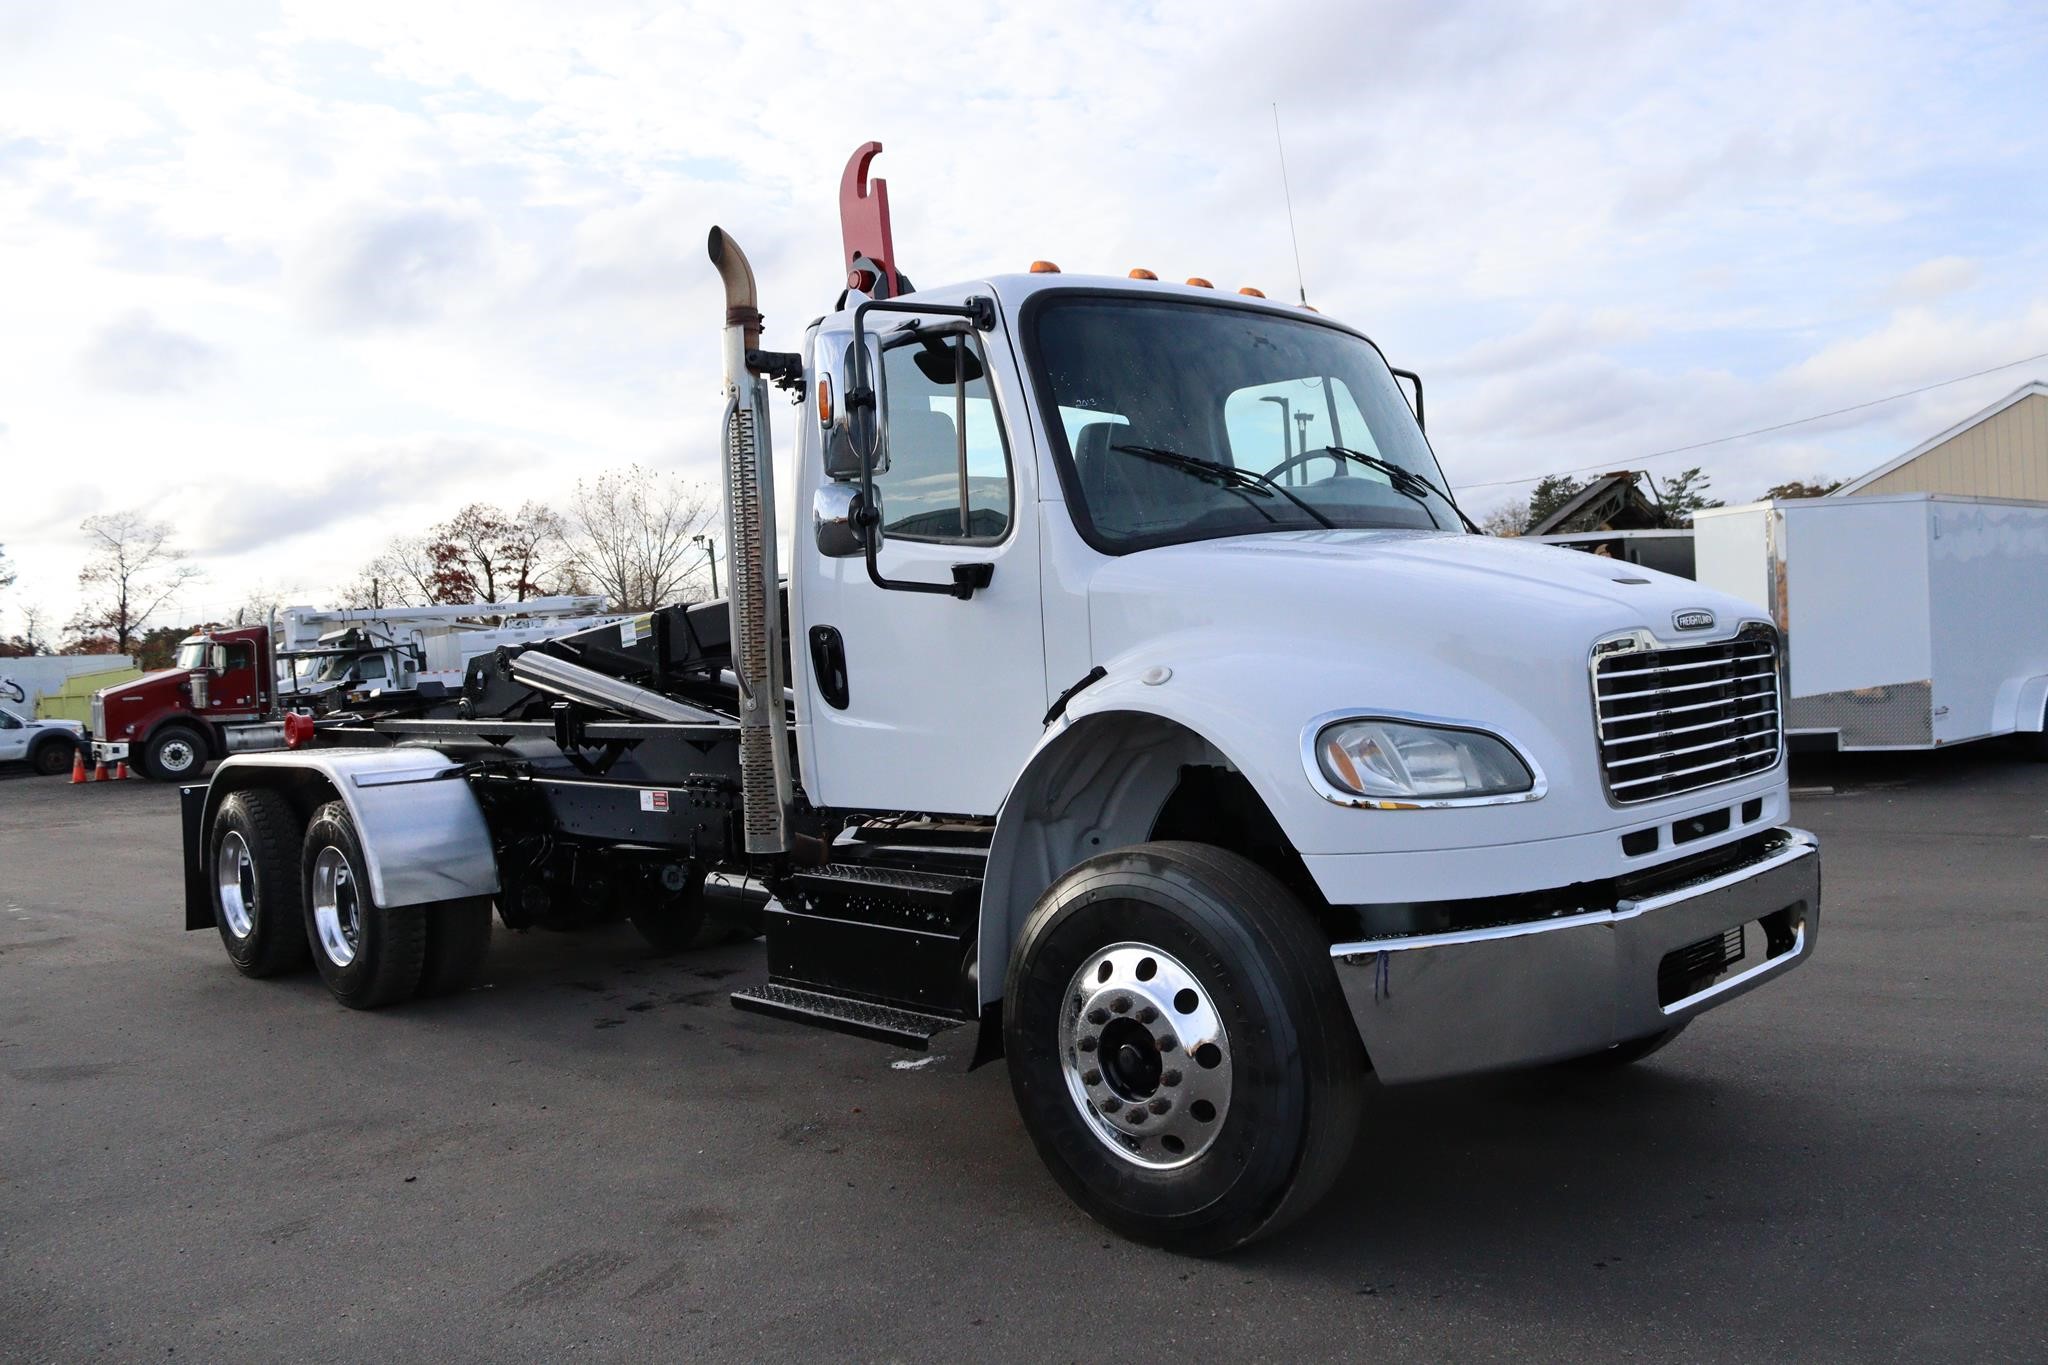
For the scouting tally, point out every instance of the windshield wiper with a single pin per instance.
(1405, 481)
(1230, 476)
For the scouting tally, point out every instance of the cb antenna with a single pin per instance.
(1287, 193)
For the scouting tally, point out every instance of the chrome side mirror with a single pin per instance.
(832, 521)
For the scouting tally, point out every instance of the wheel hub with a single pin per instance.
(337, 912)
(1145, 1055)
(235, 879)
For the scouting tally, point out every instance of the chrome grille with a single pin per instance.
(1676, 719)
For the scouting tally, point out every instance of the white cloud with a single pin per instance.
(457, 249)
(136, 356)
(393, 267)
(1931, 280)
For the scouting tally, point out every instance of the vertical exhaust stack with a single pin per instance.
(754, 597)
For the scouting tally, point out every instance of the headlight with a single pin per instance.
(1371, 761)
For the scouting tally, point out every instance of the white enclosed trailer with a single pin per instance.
(1911, 620)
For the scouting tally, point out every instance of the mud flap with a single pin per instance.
(198, 894)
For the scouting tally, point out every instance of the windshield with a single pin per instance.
(329, 668)
(1181, 421)
(192, 654)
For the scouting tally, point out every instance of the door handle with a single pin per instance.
(828, 666)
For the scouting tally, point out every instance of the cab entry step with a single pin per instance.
(882, 1023)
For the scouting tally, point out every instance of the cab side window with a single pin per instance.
(239, 655)
(949, 465)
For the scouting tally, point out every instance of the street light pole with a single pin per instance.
(711, 558)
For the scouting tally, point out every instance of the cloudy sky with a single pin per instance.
(297, 276)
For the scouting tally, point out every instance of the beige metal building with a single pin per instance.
(2001, 452)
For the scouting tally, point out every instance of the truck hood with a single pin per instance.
(1251, 642)
(147, 681)
(1470, 600)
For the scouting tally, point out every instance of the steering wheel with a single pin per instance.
(1303, 458)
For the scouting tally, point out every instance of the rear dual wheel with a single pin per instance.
(257, 897)
(372, 955)
(1179, 1047)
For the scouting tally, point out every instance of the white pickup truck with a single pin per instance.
(1116, 720)
(48, 746)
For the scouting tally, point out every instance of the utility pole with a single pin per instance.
(711, 558)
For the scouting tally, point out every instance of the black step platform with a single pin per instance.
(882, 1023)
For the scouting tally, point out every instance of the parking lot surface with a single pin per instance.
(593, 1153)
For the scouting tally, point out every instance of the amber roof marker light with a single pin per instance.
(1198, 282)
(1251, 293)
(1141, 273)
(1044, 268)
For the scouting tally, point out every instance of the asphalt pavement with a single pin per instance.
(593, 1156)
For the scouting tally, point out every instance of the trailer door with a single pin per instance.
(920, 701)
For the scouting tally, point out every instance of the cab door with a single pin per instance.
(13, 737)
(920, 701)
(233, 688)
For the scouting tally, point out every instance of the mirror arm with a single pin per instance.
(1416, 380)
(860, 394)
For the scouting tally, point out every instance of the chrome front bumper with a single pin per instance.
(1432, 1005)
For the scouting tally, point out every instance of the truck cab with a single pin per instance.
(172, 721)
(1154, 721)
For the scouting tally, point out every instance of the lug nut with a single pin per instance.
(1165, 1042)
(1169, 1078)
(1110, 1104)
(1087, 1044)
(1098, 1016)
(1147, 1015)
(1091, 1077)
(1121, 1004)
(1160, 1104)
(1136, 1115)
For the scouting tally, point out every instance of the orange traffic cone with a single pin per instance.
(77, 766)
(99, 771)
(121, 773)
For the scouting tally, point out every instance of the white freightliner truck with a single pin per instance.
(1195, 770)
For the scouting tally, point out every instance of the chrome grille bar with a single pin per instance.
(1687, 704)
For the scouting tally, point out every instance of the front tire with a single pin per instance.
(368, 955)
(52, 756)
(257, 897)
(1179, 1047)
(174, 753)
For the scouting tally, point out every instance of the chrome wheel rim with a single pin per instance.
(1145, 1056)
(337, 906)
(234, 873)
(176, 755)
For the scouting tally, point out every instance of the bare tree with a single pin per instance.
(133, 571)
(630, 536)
(6, 569)
(35, 627)
(263, 602)
(383, 582)
(531, 545)
(1508, 519)
(410, 563)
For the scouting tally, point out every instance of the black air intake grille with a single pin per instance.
(1685, 717)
